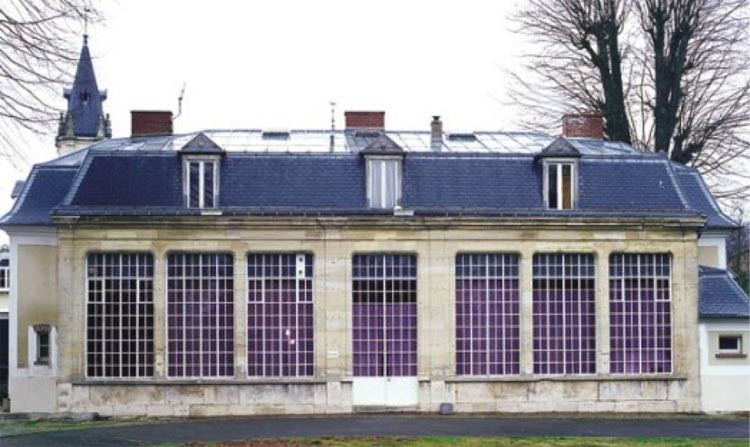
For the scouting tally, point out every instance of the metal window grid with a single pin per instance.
(279, 314)
(200, 315)
(384, 307)
(120, 315)
(640, 313)
(487, 314)
(564, 314)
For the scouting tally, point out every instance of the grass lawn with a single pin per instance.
(471, 442)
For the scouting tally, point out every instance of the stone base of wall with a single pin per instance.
(546, 396)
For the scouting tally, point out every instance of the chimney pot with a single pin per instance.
(583, 126)
(365, 120)
(436, 133)
(150, 123)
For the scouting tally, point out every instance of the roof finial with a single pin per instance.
(333, 115)
(86, 25)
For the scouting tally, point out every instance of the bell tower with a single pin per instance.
(84, 122)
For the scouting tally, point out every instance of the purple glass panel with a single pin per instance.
(487, 314)
(640, 313)
(120, 315)
(564, 315)
(384, 315)
(279, 315)
(200, 315)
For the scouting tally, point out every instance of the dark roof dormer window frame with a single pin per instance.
(201, 172)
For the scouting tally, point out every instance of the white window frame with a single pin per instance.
(371, 186)
(5, 276)
(201, 181)
(729, 351)
(558, 164)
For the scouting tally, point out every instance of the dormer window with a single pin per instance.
(200, 158)
(201, 181)
(384, 182)
(559, 162)
(560, 184)
(383, 158)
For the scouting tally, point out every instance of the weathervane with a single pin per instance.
(86, 11)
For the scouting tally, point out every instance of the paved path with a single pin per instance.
(233, 429)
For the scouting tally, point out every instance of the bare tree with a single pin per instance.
(37, 55)
(581, 57)
(682, 70)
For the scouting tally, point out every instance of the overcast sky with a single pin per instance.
(277, 64)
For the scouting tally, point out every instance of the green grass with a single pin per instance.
(471, 442)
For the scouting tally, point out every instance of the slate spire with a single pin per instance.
(85, 115)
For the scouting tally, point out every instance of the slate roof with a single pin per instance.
(699, 198)
(720, 296)
(496, 174)
(84, 100)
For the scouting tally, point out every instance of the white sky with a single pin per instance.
(277, 64)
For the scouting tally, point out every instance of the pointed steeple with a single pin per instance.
(85, 119)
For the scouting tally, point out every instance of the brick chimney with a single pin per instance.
(365, 120)
(436, 133)
(583, 126)
(150, 123)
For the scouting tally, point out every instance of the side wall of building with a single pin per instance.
(330, 390)
(33, 301)
(725, 382)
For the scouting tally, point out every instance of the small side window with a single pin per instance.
(730, 345)
(42, 344)
(4, 275)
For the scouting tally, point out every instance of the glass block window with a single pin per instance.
(384, 293)
(640, 315)
(201, 183)
(564, 313)
(487, 314)
(200, 315)
(279, 314)
(4, 275)
(120, 315)
(384, 182)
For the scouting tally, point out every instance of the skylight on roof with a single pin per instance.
(275, 135)
(462, 137)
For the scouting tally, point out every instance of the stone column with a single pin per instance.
(602, 311)
(526, 316)
(160, 313)
(240, 314)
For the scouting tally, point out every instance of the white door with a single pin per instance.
(385, 330)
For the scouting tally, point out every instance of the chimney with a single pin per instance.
(150, 123)
(583, 126)
(436, 133)
(365, 120)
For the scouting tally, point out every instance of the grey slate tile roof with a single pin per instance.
(493, 174)
(84, 98)
(699, 198)
(720, 295)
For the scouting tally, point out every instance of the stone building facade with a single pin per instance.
(316, 272)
